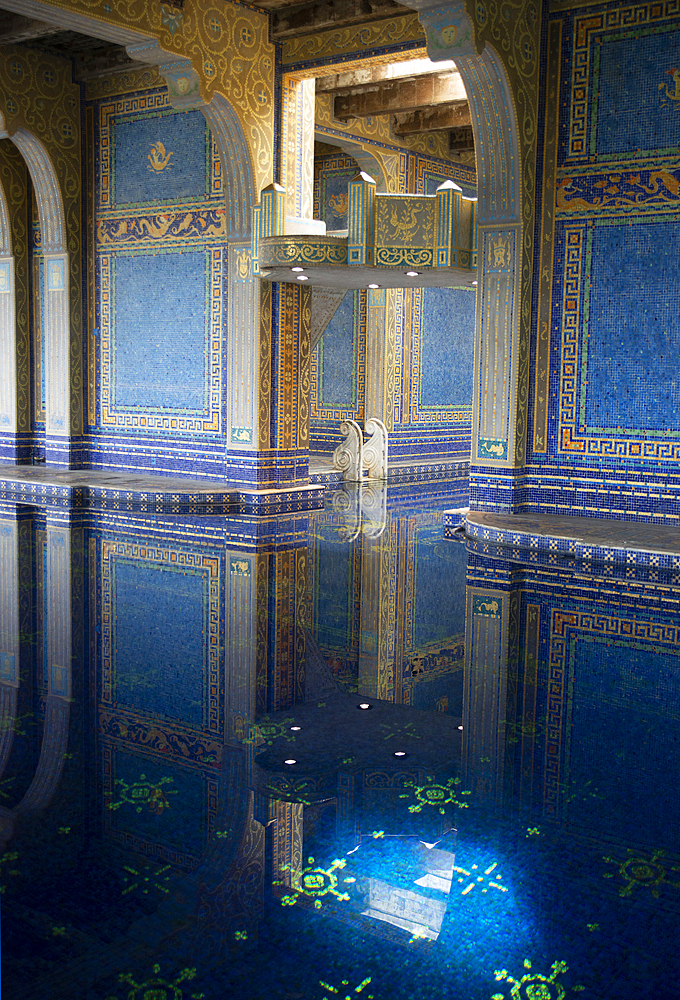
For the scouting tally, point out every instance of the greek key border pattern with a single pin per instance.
(562, 624)
(134, 104)
(146, 419)
(573, 437)
(586, 30)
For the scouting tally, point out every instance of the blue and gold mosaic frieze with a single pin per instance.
(332, 175)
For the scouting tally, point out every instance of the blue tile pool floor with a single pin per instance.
(341, 756)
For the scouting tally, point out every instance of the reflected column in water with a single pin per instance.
(9, 629)
(15, 552)
(265, 635)
(491, 618)
(378, 565)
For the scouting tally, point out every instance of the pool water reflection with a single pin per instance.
(329, 756)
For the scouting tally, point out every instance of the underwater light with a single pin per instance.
(474, 282)
(295, 729)
(374, 286)
(290, 761)
(412, 274)
(400, 753)
(302, 277)
(297, 268)
(460, 727)
(364, 705)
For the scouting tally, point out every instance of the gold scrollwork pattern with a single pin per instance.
(229, 50)
(291, 251)
(396, 257)
(37, 94)
(143, 78)
(304, 359)
(355, 39)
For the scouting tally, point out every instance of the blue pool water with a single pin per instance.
(194, 804)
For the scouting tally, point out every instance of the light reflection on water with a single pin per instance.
(193, 804)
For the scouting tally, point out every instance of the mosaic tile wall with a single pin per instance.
(160, 271)
(606, 390)
(581, 667)
(433, 333)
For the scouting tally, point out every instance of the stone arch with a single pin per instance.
(367, 160)
(499, 401)
(5, 228)
(58, 644)
(55, 253)
(236, 165)
(8, 373)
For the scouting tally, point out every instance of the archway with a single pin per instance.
(8, 395)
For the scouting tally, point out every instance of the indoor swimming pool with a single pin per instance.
(352, 753)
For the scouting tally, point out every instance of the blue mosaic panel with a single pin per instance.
(160, 640)
(643, 114)
(337, 358)
(632, 379)
(447, 347)
(615, 680)
(159, 158)
(159, 337)
(439, 597)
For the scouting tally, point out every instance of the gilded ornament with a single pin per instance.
(535, 985)
(158, 159)
(315, 883)
(644, 872)
(142, 794)
(438, 796)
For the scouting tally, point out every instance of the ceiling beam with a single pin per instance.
(440, 118)
(15, 28)
(399, 96)
(289, 20)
